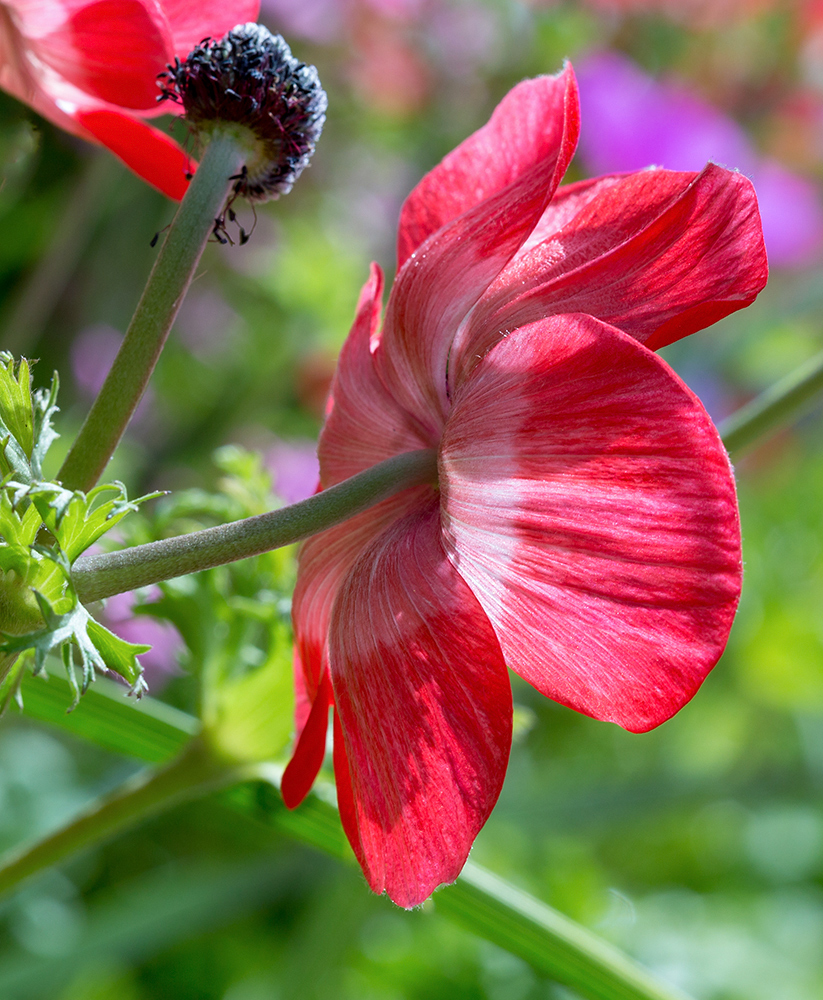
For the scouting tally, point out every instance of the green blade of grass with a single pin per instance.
(146, 729)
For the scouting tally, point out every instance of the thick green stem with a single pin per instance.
(774, 407)
(167, 285)
(193, 773)
(96, 577)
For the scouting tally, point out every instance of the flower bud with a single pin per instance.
(249, 78)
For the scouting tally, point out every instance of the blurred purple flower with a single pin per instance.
(206, 324)
(160, 663)
(317, 20)
(294, 468)
(92, 355)
(634, 121)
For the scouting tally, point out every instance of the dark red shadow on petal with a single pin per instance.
(424, 703)
(307, 758)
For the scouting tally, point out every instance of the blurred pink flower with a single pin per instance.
(160, 663)
(638, 120)
(697, 13)
(294, 468)
(92, 354)
(316, 20)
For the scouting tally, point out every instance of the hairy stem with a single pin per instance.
(167, 285)
(96, 577)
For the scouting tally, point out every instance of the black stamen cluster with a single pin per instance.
(250, 77)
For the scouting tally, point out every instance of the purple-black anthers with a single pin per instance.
(250, 77)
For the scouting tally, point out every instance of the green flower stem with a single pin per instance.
(167, 285)
(195, 772)
(773, 408)
(96, 577)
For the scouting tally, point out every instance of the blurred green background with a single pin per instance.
(698, 847)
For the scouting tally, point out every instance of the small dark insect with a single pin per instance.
(157, 235)
(219, 231)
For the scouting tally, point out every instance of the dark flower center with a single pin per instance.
(249, 77)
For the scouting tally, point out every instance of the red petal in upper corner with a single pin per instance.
(425, 707)
(502, 182)
(590, 506)
(659, 254)
(530, 119)
(310, 749)
(192, 22)
(112, 50)
(150, 153)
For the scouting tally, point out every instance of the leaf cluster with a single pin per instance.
(44, 528)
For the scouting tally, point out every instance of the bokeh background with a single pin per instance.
(699, 847)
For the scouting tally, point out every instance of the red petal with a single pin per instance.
(525, 152)
(192, 22)
(345, 794)
(658, 254)
(425, 707)
(150, 153)
(307, 758)
(590, 506)
(324, 562)
(365, 425)
(516, 136)
(112, 50)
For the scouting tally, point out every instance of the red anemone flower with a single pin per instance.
(583, 530)
(90, 66)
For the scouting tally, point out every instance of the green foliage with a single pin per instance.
(43, 530)
(25, 421)
(234, 619)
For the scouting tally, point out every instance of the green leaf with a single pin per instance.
(44, 410)
(147, 729)
(255, 712)
(77, 520)
(26, 430)
(97, 647)
(15, 401)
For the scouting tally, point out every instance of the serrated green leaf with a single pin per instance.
(43, 411)
(77, 520)
(15, 401)
(118, 654)
(97, 647)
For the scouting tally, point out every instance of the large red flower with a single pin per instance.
(90, 66)
(583, 530)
